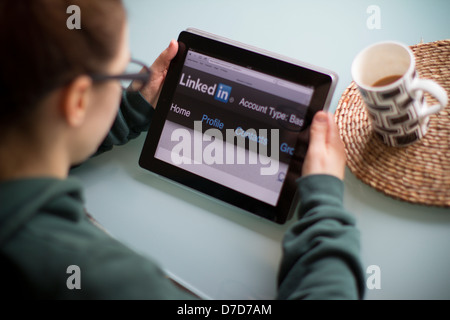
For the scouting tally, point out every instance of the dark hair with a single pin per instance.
(40, 53)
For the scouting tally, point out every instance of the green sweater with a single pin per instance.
(44, 229)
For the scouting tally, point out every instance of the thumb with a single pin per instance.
(319, 130)
(161, 63)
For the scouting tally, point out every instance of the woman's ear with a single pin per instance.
(75, 101)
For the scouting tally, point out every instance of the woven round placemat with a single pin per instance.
(419, 173)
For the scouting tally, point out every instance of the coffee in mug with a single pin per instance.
(393, 93)
(385, 81)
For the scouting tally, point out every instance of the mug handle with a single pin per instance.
(435, 90)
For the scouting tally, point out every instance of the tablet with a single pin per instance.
(232, 122)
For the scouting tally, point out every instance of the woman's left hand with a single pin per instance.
(159, 69)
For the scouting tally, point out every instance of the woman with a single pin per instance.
(61, 94)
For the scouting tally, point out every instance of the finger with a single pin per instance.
(319, 131)
(333, 132)
(334, 138)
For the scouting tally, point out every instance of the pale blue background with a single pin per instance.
(327, 33)
(222, 252)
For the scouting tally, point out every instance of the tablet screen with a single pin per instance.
(232, 122)
(233, 125)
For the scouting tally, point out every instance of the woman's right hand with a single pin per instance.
(326, 152)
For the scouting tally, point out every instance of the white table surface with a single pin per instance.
(221, 252)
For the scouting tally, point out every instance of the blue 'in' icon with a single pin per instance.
(223, 93)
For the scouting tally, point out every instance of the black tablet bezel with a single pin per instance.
(323, 81)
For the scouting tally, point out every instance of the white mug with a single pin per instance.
(386, 77)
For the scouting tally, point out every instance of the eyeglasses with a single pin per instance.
(135, 77)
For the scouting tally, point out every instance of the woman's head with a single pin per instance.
(44, 62)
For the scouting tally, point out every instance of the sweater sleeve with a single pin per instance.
(134, 117)
(321, 251)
